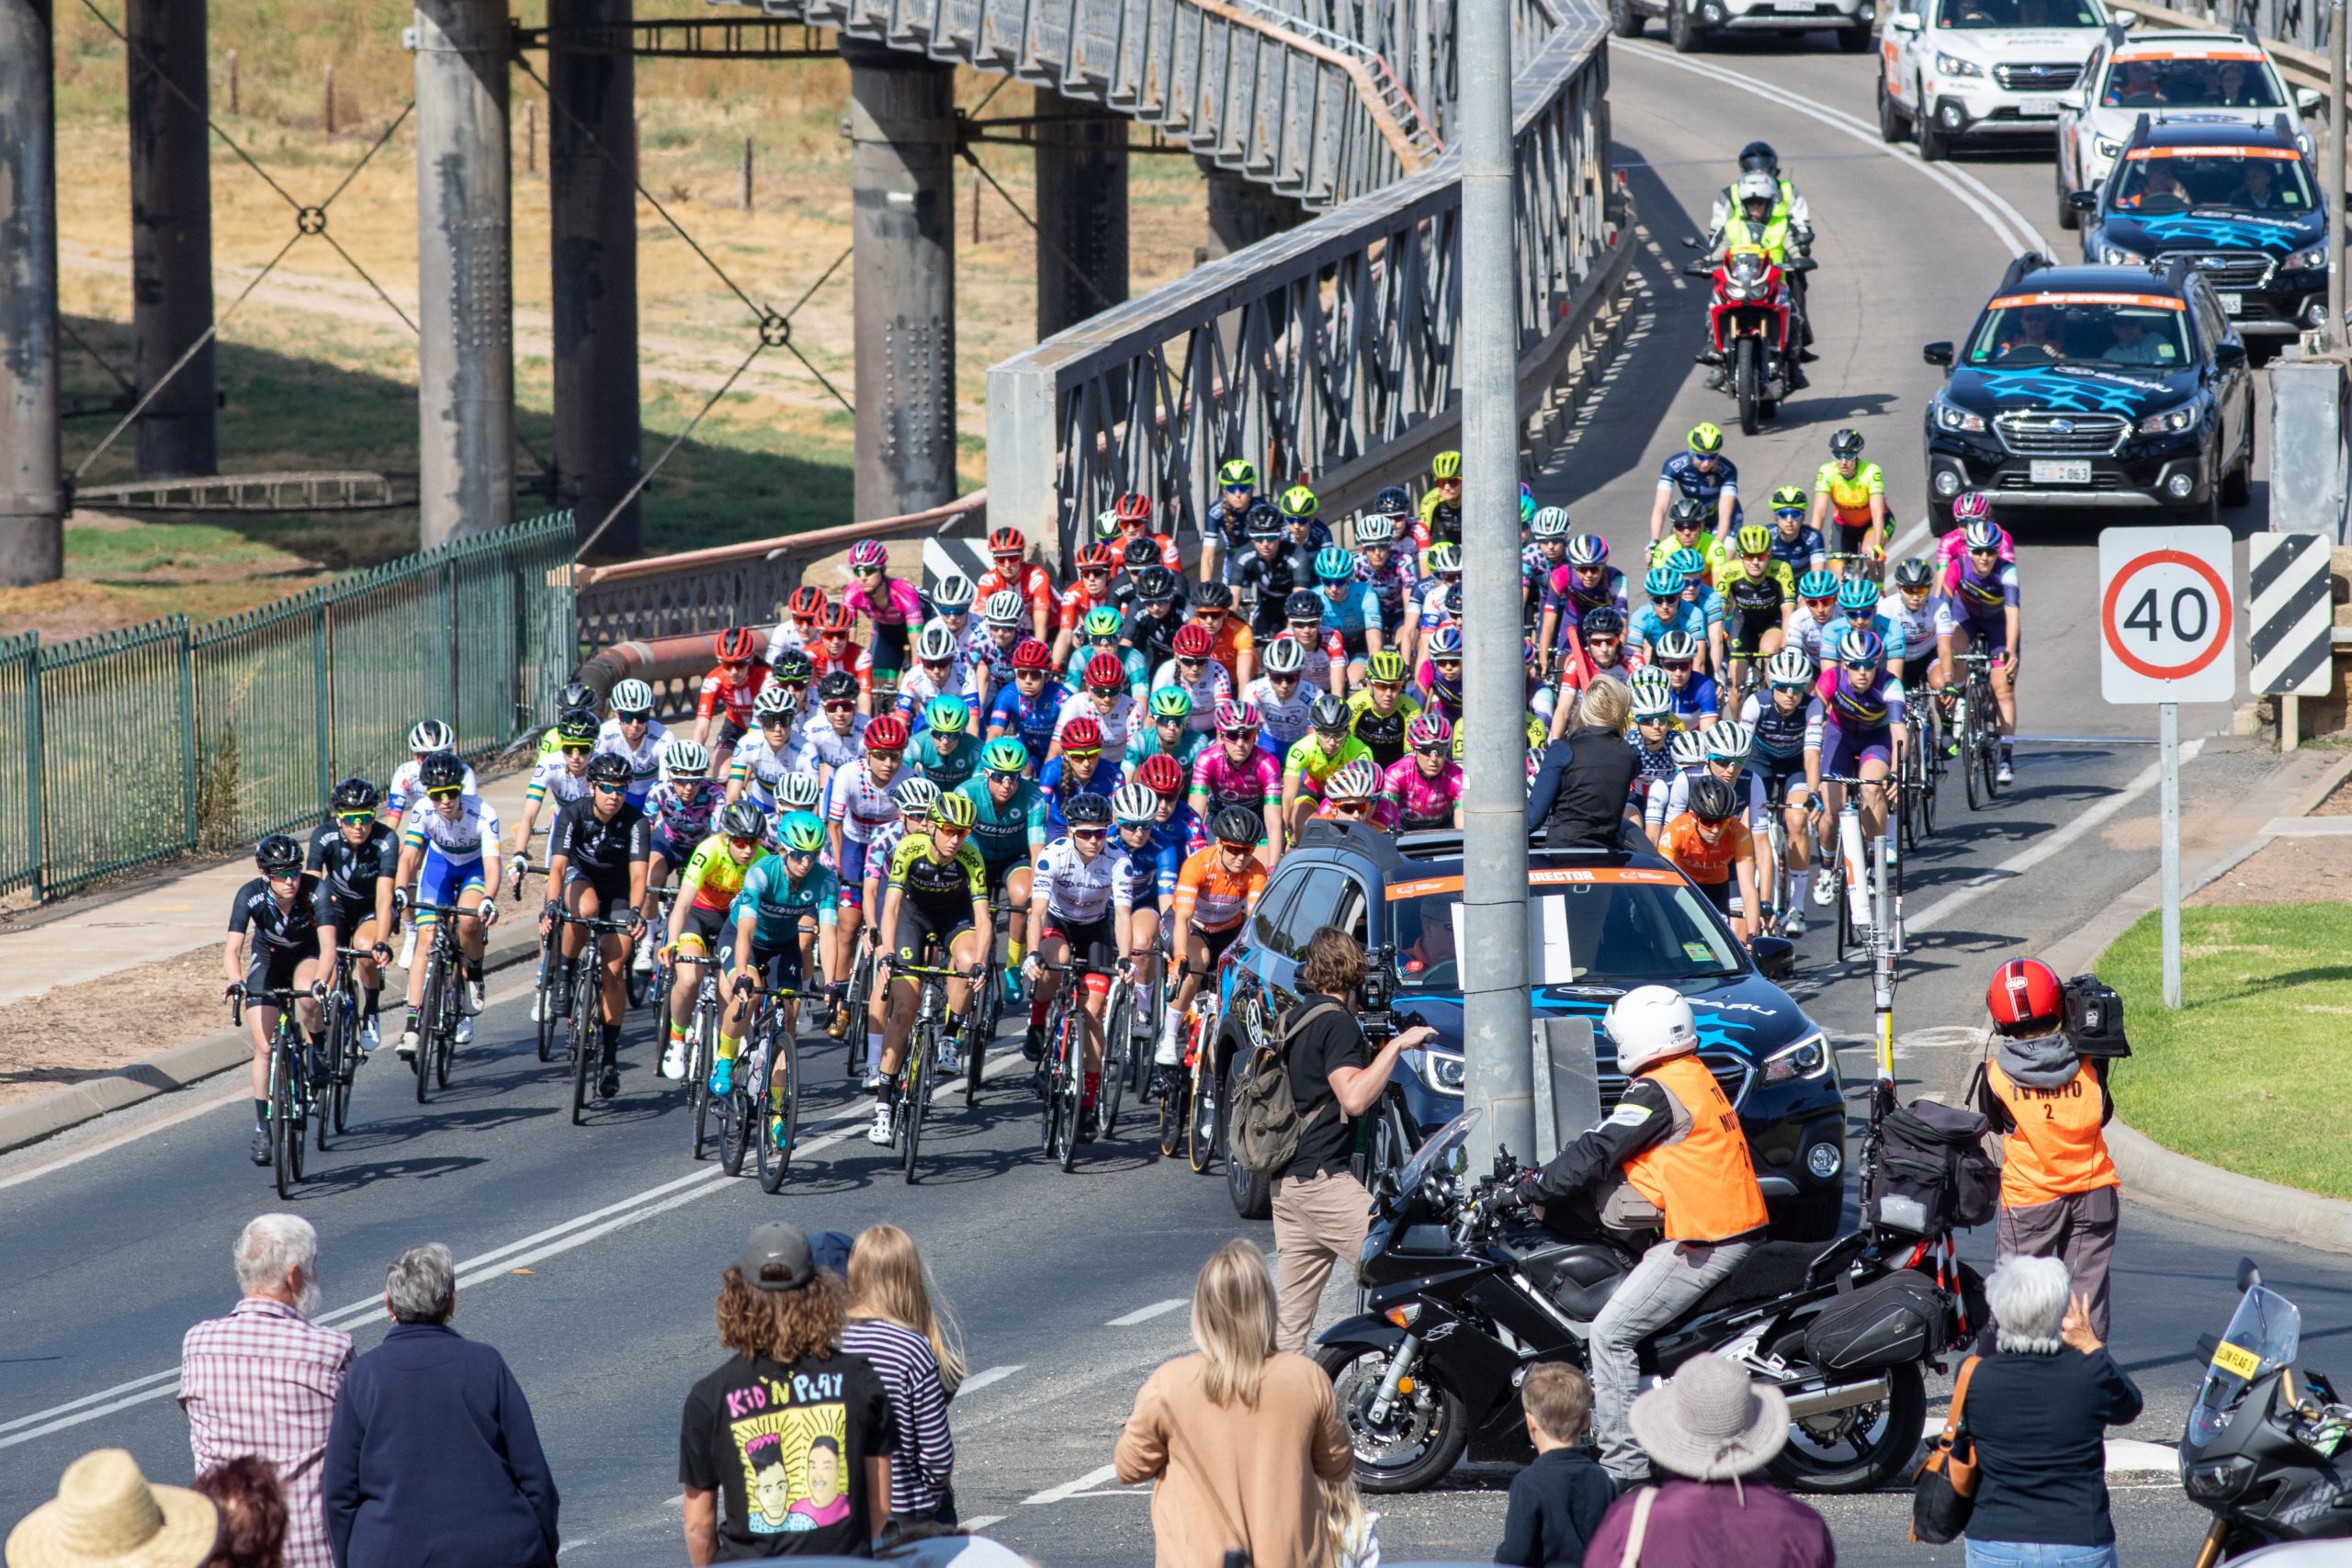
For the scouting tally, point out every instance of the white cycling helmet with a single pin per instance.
(916, 797)
(1729, 741)
(430, 736)
(633, 696)
(1549, 523)
(774, 701)
(1790, 667)
(1004, 609)
(1135, 804)
(1355, 780)
(797, 792)
(1373, 528)
(1689, 749)
(935, 644)
(1652, 700)
(955, 593)
(684, 759)
(1677, 646)
(1650, 1024)
(1284, 656)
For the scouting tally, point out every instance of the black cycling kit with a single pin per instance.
(347, 874)
(1272, 579)
(600, 851)
(282, 936)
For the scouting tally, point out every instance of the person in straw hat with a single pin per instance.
(1710, 1425)
(106, 1515)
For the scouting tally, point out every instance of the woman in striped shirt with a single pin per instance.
(900, 1326)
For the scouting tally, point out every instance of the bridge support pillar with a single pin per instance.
(902, 154)
(1242, 212)
(1081, 212)
(592, 207)
(32, 490)
(171, 235)
(464, 271)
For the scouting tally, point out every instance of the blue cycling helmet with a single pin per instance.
(1334, 564)
(1858, 596)
(1688, 562)
(1816, 584)
(1663, 582)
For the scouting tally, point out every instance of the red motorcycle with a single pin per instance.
(1751, 328)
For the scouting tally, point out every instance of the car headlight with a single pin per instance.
(2105, 146)
(2312, 260)
(1953, 65)
(2169, 421)
(2116, 256)
(1951, 418)
(1442, 1071)
(1808, 1058)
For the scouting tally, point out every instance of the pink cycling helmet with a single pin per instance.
(1970, 506)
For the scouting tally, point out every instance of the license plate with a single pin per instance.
(2039, 108)
(2048, 471)
(1793, 7)
(2233, 303)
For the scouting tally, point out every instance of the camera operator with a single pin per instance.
(2045, 1092)
(1321, 1211)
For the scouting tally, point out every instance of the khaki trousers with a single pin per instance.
(1317, 1222)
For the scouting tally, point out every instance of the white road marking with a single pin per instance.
(1086, 1483)
(1145, 1314)
(983, 1522)
(981, 1380)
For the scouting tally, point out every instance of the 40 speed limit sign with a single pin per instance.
(2165, 616)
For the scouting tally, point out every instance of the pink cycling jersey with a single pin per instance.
(1252, 781)
(902, 605)
(1955, 545)
(1421, 801)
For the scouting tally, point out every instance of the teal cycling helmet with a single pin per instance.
(1663, 582)
(1334, 565)
(1816, 584)
(1688, 562)
(1102, 620)
(947, 716)
(800, 833)
(1858, 596)
(1005, 755)
(1172, 701)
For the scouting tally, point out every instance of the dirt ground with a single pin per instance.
(79, 1032)
(2288, 870)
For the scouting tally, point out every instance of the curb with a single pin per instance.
(60, 1109)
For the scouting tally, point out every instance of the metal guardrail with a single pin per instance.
(331, 490)
(1317, 350)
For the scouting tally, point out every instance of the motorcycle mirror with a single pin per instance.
(1689, 242)
(2249, 1275)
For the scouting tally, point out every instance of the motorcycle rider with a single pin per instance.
(1787, 207)
(1758, 218)
(1677, 1142)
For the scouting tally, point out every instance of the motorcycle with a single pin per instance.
(1751, 327)
(2262, 1451)
(1463, 1295)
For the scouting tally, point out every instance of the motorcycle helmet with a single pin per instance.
(2025, 997)
(1650, 1024)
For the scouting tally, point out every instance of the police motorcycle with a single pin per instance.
(2263, 1447)
(1464, 1292)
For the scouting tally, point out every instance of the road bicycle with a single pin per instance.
(582, 980)
(760, 1112)
(1917, 779)
(292, 1099)
(849, 1013)
(1976, 723)
(1064, 1067)
(915, 1084)
(1188, 1110)
(650, 987)
(439, 1009)
(1870, 912)
(345, 1028)
(702, 1051)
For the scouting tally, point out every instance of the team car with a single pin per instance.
(1688, 23)
(1992, 68)
(2094, 387)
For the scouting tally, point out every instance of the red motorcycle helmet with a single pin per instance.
(1161, 774)
(2025, 997)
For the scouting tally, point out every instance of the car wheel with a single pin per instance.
(1935, 143)
(1252, 1193)
(1681, 28)
(1623, 20)
(2237, 488)
(1892, 127)
(2068, 216)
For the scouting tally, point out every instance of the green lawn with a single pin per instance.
(2251, 1075)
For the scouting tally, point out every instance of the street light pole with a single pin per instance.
(1497, 1038)
(2335, 336)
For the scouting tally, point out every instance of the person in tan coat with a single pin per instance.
(1240, 1438)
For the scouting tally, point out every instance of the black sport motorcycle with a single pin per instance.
(1465, 1294)
(2264, 1446)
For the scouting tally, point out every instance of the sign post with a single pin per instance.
(2165, 614)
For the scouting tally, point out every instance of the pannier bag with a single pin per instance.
(1903, 1317)
(1932, 1174)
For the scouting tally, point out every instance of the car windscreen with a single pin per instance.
(1612, 926)
(2156, 181)
(2029, 331)
(2225, 81)
(2015, 14)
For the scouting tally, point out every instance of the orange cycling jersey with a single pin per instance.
(1213, 899)
(1701, 861)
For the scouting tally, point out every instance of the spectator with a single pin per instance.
(1557, 1502)
(106, 1515)
(264, 1380)
(897, 1324)
(1708, 1423)
(1321, 1211)
(1587, 775)
(1240, 1436)
(1355, 1528)
(798, 1435)
(2038, 1411)
(433, 1458)
(252, 1513)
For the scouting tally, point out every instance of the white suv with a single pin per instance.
(1955, 68)
(1688, 23)
(2176, 77)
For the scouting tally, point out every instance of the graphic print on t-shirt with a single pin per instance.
(790, 1438)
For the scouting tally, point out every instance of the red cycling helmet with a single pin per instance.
(736, 644)
(1194, 640)
(1133, 507)
(1105, 673)
(1097, 558)
(807, 601)
(1081, 735)
(1161, 774)
(887, 733)
(1008, 542)
(1030, 654)
(838, 618)
(2025, 997)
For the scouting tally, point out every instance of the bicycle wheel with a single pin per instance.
(1971, 743)
(916, 1092)
(1988, 753)
(447, 1046)
(1049, 1074)
(334, 1081)
(784, 1074)
(737, 1117)
(977, 1032)
(285, 1137)
(855, 1002)
(700, 1050)
(428, 1020)
(1071, 1089)
(1175, 1108)
(1929, 767)
(1845, 911)
(1200, 1126)
(1118, 1048)
(550, 956)
(578, 1043)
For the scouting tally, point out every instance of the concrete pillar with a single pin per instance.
(1081, 212)
(592, 213)
(171, 234)
(1242, 212)
(902, 133)
(32, 492)
(464, 271)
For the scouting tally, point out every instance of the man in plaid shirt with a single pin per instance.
(264, 1380)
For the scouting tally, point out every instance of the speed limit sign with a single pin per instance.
(2165, 616)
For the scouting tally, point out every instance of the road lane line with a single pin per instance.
(983, 1522)
(1086, 1483)
(147, 1383)
(981, 1380)
(1145, 1314)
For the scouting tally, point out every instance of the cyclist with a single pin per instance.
(1584, 581)
(1232, 645)
(1104, 631)
(1547, 551)
(1908, 606)
(1283, 695)
(450, 855)
(1860, 733)
(945, 753)
(1030, 706)
(1854, 493)
(766, 935)
(1437, 594)
(1002, 630)
(1693, 694)
(1970, 506)
(1192, 669)
(1699, 472)
(768, 753)
(1009, 830)
(936, 895)
(1440, 521)
(1263, 580)
(1760, 595)
(561, 779)
(1077, 769)
(1668, 611)
(429, 736)
(890, 604)
(1329, 745)
(680, 808)
(1380, 710)
(1351, 613)
(942, 669)
(1979, 610)
(1237, 771)
(635, 736)
(1222, 531)
(833, 650)
(1132, 514)
(1709, 847)
(1323, 657)
(1031, 585)
(1153, 862)
(797, 627)
(1424, 790)
(1697, 571)
(1080, 905)
(597, 858)
(733, 684)
(1778, 721)
(1092, 590)
(1653, 734)
(1302, 526)
(1385, 569)
(1105, 701)
(1817, 607)
(859, 804)
(1217, 891)
(1156, 615)
(577, 694)
(1796, 542)
(355, 858)
(1437, 684)
(914, 799)
(950, 605)
(1170, 733)
(835, 738)
(273, 944)
(1353, 795)
(1858, 610)
(714, 875)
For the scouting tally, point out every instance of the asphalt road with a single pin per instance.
(591, 1253)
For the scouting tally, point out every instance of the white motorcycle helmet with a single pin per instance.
(1649, 1024)
(1758, 186)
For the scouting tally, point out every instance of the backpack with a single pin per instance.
(1932, 1174)
(1264, 1132)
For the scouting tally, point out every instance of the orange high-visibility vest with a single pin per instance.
(2057, 1148)
(1703, 1182)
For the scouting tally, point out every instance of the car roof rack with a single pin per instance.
(2022, 266)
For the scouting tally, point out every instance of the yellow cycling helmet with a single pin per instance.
(1788, 498)
(1388, 666)
(954, 811)
(1706, 438)
(1446, 466)
(1754, 539)
(1298, 501)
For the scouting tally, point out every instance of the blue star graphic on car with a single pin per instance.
(2055, 391)
(2222, 232)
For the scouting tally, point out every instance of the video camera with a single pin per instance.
(2093, 1023)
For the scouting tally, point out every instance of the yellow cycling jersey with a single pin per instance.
(1850, 499)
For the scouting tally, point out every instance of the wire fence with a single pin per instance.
(171, 738)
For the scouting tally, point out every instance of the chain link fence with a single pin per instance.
(171, 738)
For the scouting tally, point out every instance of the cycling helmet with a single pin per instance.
(807, 601)
(800, 833)
(797, 792)
(867, 554)
(1133, 507)
(1284, 657)
(1236, 473)
(1689, 563)
(1238, 717)
(742, 820)
(1008, 542)
(934, 643)
(1970, 506)
(1097, 558)
(1549, 523)
(1729, 741)
(1914, 574)
(1105, 673)
(1786, 499)
(1328, 713)
(1237, 825)
(1192, 640)
(1133, 805)
(1298, 501)
(1030, 654)
(1004, 609)
(1334, 564)
(1816, 584)
(1358, 780)
(1860, 645)
(1445, 643)
(1705, 438)
(1082, 736)
(1651, 701)
(1650, 675)
(2025, 997)
(608, 768)
(1585, 549)
(954, 592)
(916, 798)
(1759, 156)
(1102, 620)
(1712, 800)
(1303, 604)
(947, 715)
(774, 703)
(837, 619)
(795, 668)
(1601, 620)
(1432, 728)
(1394, 502)
(1372, 528)
(684, 759)
(430, 736)
(278, 856)
(357, 795)
(1163, 774)
(1790, 667)
(1688, 750)
(577, 728)
(1982, 535)
(737, 646)
(1446, 466)
(1663, 582)
(1087, 811)
(1385, 668)
(1213, 596)
(1846, 445)
(1688, 511)
(578, 694)
(1138, 554)
(1753, 539)
(1858, 596)
(1262, 521)
(838, 686)
(1677, 647)
(887, 733)
(632, 699)
(1005, 754)
(1445, 558)
(955, 812)
(1172, 703)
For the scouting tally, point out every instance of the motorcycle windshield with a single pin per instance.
(1432, 1155)
(2262, 1338)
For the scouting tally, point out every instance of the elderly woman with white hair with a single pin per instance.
(2037, 1412)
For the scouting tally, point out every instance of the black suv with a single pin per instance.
(2238, 201)
(2094, 387)
(1609, 919)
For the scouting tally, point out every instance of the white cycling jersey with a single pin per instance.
(1214, 685)
(1669, 798)
(787, 637)
(763, 767)
(1115, 723)
(644, 759)
(405, 788)
(916, 687)
(1804, 633)
(1285, 723)
(1918, 630)
(860, 805)
(555, 781)
(1081, 891)
(815, 745)
(459, 842)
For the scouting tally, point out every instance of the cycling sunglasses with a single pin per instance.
(355, 818)
(775, 721)
(1861, 666)
(877, 754)
(743, 843)
(840, 708)
(1351, 807)
(451, 792)
(1595, 567)
(1089, 753)
(1185, 659)
(1092, 835)
(608, 789)
(1440, 749)
(1675, 666)
(1026, 673)
(1236, 732)
(944, 830)
(1273, 679)
(1094, 571)
(639, 715)
(1457, 663)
